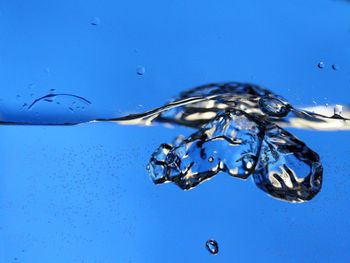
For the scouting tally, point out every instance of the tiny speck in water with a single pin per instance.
(211, 159)
(94, 21)
(335, 67)
(52, 90)
(140, 70)
(320, 65)
(212, 246)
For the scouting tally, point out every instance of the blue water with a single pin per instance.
(83, 194)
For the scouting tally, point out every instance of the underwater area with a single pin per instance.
(171, 131)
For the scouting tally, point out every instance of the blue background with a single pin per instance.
(82, 193)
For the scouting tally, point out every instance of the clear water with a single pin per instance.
(82, 193)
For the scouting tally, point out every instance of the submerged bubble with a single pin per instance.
(212, 246)
(320, 65)
(140, 70)
(287, 168)
(94, 21)
(231, 143)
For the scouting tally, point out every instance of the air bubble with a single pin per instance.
(211, 159)
(320, 65)
(274, 107)
(140, 70)
(94, 21)
(212, 246)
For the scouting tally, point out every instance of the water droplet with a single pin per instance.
(338, 109)
(94, 21)
(140, 70)
(212, 246)
(335, 67)
(320, 65)
(274, 107)
(211, 159)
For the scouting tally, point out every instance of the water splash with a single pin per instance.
(230, 143)
(239, 132)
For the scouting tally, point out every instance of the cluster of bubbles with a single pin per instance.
(240, 143)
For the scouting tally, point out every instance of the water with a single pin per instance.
(82, 193)
(321, 65)
(230, 140)
(140, 70)
(212, 246)
(94, 21)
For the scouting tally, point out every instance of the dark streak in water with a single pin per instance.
(46, 98)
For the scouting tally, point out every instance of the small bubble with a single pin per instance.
(211, 159)
(320, 65)
(338, 109)
(335, 67)
(212, 246)
(140, 70)
(274, 107)
(94, 21)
